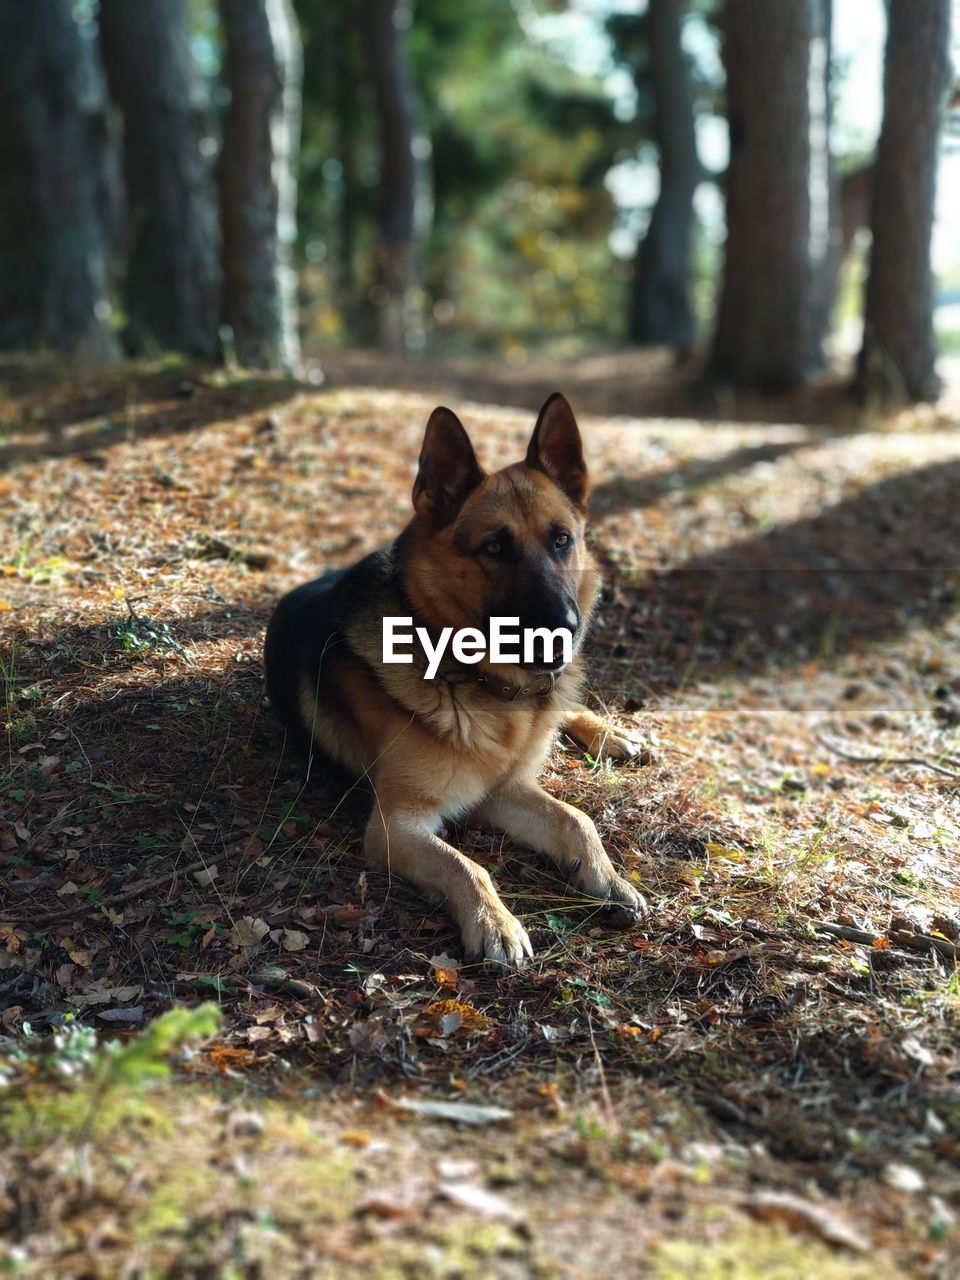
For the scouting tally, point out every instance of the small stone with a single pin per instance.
(902, 1177)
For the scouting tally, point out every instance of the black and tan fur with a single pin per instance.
(469, 743)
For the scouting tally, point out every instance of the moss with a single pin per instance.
(755, 1252)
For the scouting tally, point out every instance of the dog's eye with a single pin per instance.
(493, 547)
(562, 541)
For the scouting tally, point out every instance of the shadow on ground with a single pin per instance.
(855, 574)
(83, 416)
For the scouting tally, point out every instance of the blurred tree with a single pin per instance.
(53, 144)
(385, 23)
(258, 186)
(777, 220)
(348, 118)
(172, 266)
(899, 349)
(511, 233)
(660, 311)
(828, 247)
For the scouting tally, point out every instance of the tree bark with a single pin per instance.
(172, 269)
(827, 242)
(660, 308)
(766, 334)
(897, 359)
(347, 112)
(258, 184)
(396, 114)
(53, 144)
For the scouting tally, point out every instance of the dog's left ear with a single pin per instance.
(556, 449)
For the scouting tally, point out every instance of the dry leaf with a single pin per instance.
(456, 1014)
(131, 1017)
(805, 1215)
(478, 1200)
(457, 1112)
(249, 933)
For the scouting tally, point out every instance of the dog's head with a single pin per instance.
(510, 544)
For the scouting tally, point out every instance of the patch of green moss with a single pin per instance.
(755, 1252)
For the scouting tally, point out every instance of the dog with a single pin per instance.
(470, 742)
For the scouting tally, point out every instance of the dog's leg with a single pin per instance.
(539, 822)
(597, 738)
(405, 844)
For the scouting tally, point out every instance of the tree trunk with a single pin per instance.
(258, 184)
(826, 240)
(660, 309)
(53, 252)
(899, 349)
(766, 335)
(172, 270)
(396, 112)
(347, 112)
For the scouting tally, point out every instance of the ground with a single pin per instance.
(760, 1079)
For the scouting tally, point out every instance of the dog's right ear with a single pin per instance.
(448, 472)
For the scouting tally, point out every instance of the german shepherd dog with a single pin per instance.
(470, 742)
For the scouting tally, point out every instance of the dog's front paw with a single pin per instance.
(622, 746)
(496, 937)
(611, 889)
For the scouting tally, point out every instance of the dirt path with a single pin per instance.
(779, 598)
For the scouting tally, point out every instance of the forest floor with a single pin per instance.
(762, 1079)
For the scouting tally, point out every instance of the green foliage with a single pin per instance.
(135, 634)
(72, 1083)
(517, 247)
(147, 1057)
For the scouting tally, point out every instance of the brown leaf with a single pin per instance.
(805, 1215)
(367, 1037)
(464, 1015)
(248, 934)
(487, 1204)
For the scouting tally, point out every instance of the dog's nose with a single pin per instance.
(556, 611)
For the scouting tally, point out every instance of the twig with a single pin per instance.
(920, 762)
(912, 941)
(112, 900)
(217, 549)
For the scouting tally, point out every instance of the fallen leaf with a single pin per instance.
(457, 1112)
(805, 1215)
(902, 1177)
(131, 1016)
(469, 1017)
(368, 1037)
(95, 994)
(248, 934)
(478, 1200)
(346, 917)
(294, 940)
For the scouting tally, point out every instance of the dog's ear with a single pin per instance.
(556, 449)
(448, 471)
